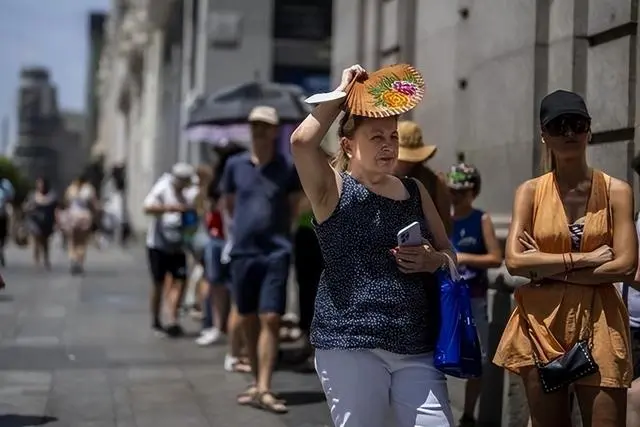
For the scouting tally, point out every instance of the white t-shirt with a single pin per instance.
(163, 193)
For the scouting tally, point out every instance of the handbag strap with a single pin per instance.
(453, 270)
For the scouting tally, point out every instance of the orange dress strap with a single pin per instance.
(549, 319)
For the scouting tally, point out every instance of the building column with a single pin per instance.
(186, 73)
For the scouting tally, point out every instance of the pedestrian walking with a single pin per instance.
(40, 210)
(81, 206)
(7, 194)
(374, 327)
(572, 234)
(261, 191)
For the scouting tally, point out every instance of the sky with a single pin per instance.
(49, 33)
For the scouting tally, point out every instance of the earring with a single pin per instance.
(348, 155)
(543, 141)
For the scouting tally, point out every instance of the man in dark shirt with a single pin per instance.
(261, 190)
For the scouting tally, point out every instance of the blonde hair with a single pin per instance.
(349, 123)
(547, 161)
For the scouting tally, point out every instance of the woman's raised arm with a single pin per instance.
(319, 180)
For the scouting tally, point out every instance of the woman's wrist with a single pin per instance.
(579, 260)
(444, 259)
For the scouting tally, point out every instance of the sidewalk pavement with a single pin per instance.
(78, 352)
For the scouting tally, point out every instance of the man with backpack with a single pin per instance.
(168, 203)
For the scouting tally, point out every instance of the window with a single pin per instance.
(302, 19)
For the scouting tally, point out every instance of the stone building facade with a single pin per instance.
(129, 81)
(488, 64)
(159, 55)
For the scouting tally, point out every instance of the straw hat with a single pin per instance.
(411, 147)
(390, 91)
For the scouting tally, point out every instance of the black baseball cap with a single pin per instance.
(562, 102)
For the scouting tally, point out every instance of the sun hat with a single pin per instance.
(411, 146)
(264, 114)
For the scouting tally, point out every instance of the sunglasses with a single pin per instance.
(564, 125)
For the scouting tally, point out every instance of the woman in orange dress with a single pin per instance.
(572, 234)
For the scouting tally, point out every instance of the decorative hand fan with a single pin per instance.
(390, 91)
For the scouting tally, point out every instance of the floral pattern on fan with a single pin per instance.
(389, 91)
(393, 91)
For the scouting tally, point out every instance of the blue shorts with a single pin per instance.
(215, 272)
(259, 283)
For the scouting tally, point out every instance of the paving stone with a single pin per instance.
(146, 375)
(121, 399)
(173, 421)
(80, 406)
(80, 351)
(23, 404)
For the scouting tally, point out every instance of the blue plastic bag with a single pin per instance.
(458, 351)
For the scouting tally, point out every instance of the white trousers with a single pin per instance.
(361, 387)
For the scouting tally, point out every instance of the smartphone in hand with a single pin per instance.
(410, 235)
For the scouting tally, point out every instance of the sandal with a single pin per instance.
(249, 396)
(267, 401)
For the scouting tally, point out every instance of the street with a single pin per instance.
(78, 352)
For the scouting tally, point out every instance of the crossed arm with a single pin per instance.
(599, 267)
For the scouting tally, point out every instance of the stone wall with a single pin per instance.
(238, 42)
(488, 66)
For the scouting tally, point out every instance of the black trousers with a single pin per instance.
(308, 265)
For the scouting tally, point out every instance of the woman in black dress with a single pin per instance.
(40, 211)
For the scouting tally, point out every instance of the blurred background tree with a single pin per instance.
(10, 171)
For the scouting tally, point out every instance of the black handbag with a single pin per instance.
(571, 366)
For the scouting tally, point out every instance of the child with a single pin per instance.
(477, 247)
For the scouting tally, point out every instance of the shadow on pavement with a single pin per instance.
(25, 420)
(6, 298)
(296, 398)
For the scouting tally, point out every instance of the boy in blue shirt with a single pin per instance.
(474, 239)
